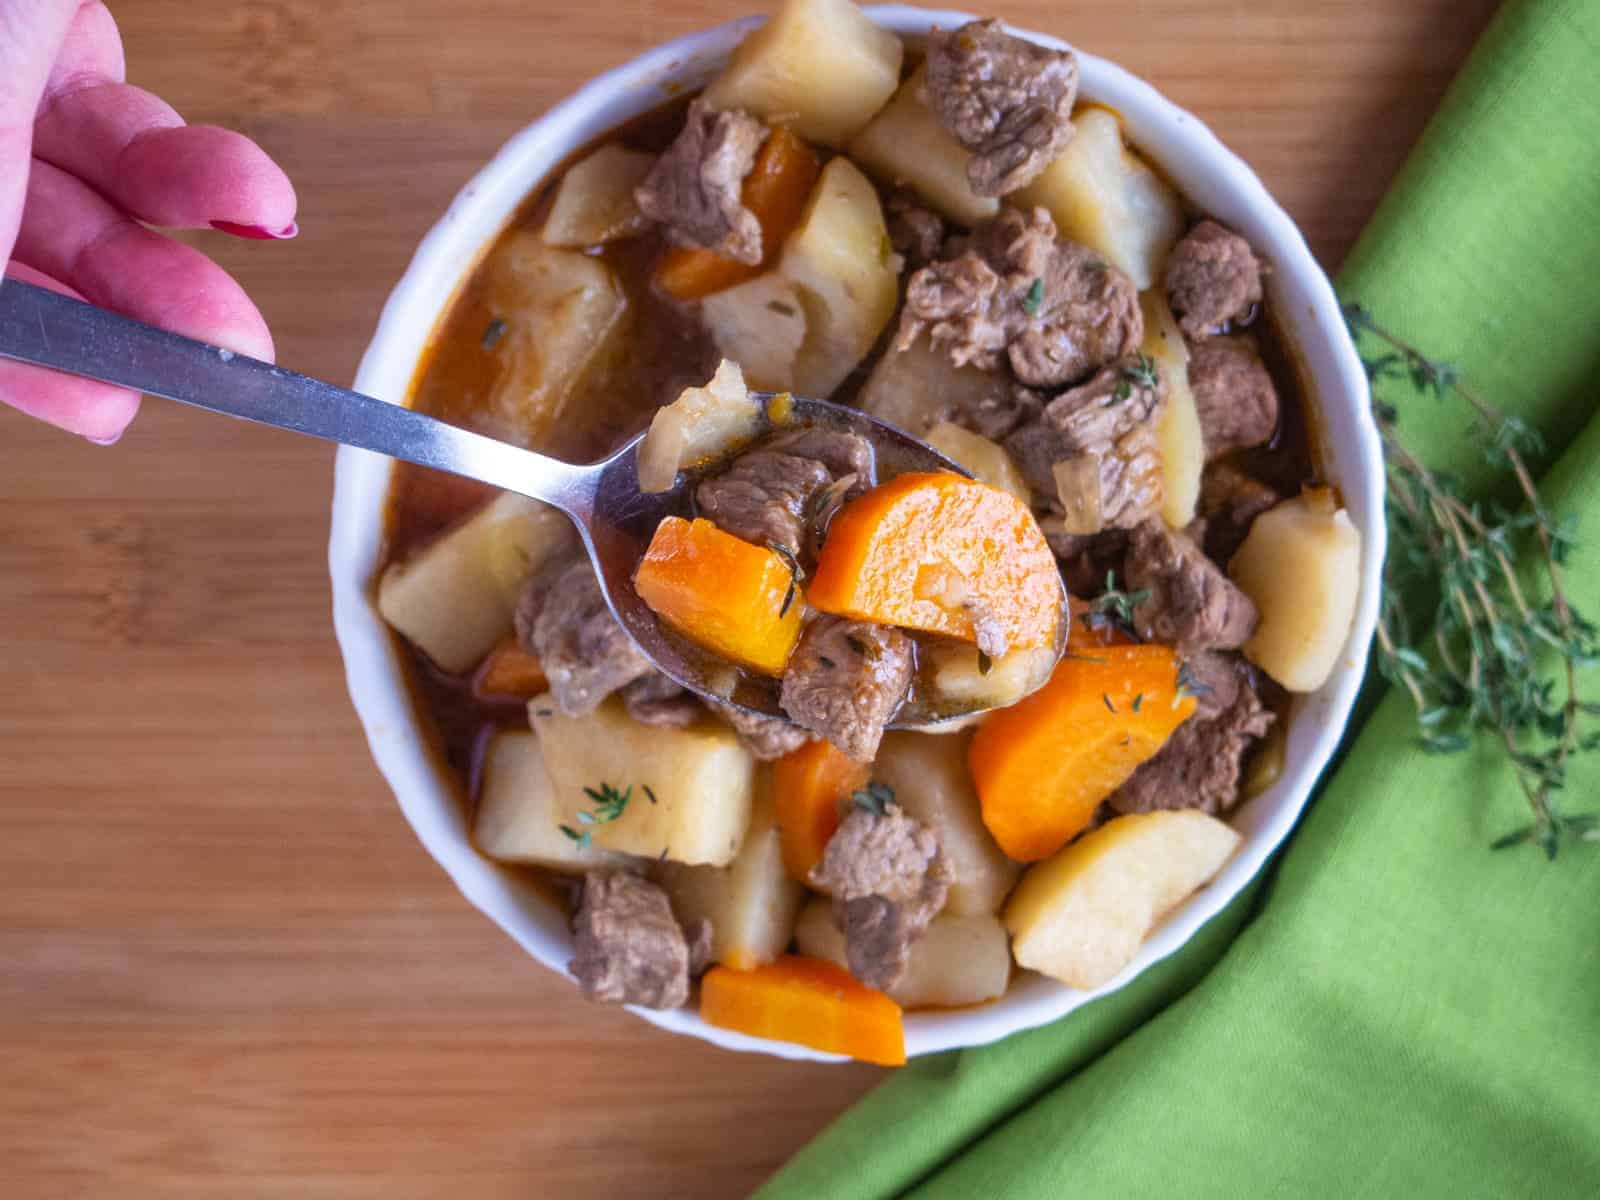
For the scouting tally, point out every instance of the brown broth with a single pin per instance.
(666, 351)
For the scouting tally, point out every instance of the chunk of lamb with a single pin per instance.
(1190, 604)
(889, 877)
(628, 948)
(1201, 763)
(1086, 559)
(694, 187)
(916, 232)
(562, 617)
(1213, 279)
(1230, 501)
(845, 681)
(1107, 429)
(656, 699)
(999, 411)
(1005, 99)
(767, 738)
(1054, 309)
(1234, 394)
(770, 496)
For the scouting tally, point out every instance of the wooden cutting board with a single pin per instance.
(226, 967)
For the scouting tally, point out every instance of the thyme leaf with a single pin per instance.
(1034, 300)
(875, 798)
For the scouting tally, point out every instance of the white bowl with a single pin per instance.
(1212, 176)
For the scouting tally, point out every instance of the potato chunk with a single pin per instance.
(905, 146)
(1104, 195)
(751, 903)
(595, 203)
(986, 459)
(928, 773)
(454, 598)
(918, 387)
(703, 423)
(1301, 564)
(563, 313)
(819, 67)
(1081, 915)
(760, 325)
(692, 788)
(1178, 437)
(955, 675)
(847, 275)
(960, 960)
(516, 819)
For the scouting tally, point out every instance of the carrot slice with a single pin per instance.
(809, 1001)
(776, 191)
(509, 673)
(736, 599)
(928, 551)
(1044, 765)
(808, 785)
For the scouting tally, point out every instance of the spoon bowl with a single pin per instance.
(615, 519)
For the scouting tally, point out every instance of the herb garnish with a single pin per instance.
(796, 574)
(985, 663)
(1141, 373)
(1188, 685)
(1138, 701)
(1034, 300)
(493, 332)
(1478, 671)
(875, 798)
(609, 804)
(1113, 608)
(1106, 700)
(826, 505)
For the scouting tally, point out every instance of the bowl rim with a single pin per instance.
(445, 258)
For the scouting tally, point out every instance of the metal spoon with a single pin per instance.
(614, 518)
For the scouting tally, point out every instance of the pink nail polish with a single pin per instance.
(257, 231)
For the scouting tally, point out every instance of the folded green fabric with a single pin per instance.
(1398, 1011)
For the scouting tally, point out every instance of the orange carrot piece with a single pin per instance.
(808, 786)
(509, 673)
(808, 1001)
(924, 551)
(736, 599)
(1044, 765)
(776, 191)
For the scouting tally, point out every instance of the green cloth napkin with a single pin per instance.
(1398, 1011)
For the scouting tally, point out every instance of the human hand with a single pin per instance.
(85, 162)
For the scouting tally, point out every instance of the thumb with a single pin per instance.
(31, 32)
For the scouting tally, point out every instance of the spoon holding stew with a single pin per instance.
(614, 517)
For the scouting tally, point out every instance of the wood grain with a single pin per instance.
(226, 967)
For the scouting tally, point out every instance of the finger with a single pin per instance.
(31, 31)
(71, 232)
(135, 148)
(96, 410)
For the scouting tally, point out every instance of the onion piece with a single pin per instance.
(702, 424)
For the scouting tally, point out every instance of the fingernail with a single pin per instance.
(105, 441)
(257, 231)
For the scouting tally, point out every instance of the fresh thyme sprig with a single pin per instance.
(875, 798)
(1113, 608)
(1139, 373)
(797, 574)
(609, 804)
(1479, 670)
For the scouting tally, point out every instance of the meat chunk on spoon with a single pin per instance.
(889, 877)
(656, 699)
(767, 738)
(1007, 100)
(627, 946)
(1213, 280)
(845, 681)
(694, 188)
(772, 496)
(562, 617)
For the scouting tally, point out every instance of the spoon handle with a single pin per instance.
(47, 329)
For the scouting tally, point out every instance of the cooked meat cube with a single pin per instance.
(767, 738)
(694, 187)
(1005, 99)
(562, 617)
(1086, 559)
(999, 411)
(1055, 309)
(1213, 279)
(1235, 395)
(656, 699)
(1229, 501)
(1110, 422)
(842, 453)
(1215, 677)
(1191, 605)
(889, 877)
(915, 232)
(628, 947)
(763, 498)
(845, 681)
(1200, 765)
(700, 941)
